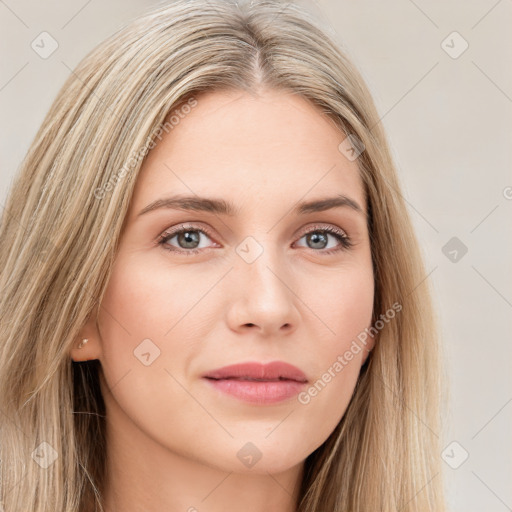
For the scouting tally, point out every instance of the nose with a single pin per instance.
(262, 298)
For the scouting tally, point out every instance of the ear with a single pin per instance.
(91, 349)
(365, 356)
(367, 349)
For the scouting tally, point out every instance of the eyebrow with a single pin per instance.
(222, 207)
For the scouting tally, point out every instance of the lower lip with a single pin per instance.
(259, 392)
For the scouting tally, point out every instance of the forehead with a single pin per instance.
(269, 147)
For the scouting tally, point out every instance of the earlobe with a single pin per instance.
(84, 350)
(77, 353)
(86, 346)
(83, 342)
(366, 355)
(369, 346)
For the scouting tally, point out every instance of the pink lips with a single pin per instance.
(258, 383)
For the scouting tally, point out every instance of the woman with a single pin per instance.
(212, 295)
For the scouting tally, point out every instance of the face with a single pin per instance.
(249, 277)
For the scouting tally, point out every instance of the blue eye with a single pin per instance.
(189, 239)
(321, 236)
(185, 235)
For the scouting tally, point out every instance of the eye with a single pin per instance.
(318, 238)
(188, 238)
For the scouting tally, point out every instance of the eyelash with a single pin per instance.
(344, 240)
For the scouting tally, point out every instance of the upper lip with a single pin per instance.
(275, 370)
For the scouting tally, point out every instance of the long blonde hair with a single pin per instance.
(61, 226)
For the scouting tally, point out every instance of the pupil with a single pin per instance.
(189, 237)
(318, 238)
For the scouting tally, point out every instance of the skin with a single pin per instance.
(172, 439)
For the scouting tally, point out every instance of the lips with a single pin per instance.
(271, 372)
(257, 383)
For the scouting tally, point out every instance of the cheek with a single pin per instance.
(138, 309)
(144, 300)
(343, 305)
(345, 310)
(142, 320)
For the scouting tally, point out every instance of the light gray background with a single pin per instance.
(449, 124)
